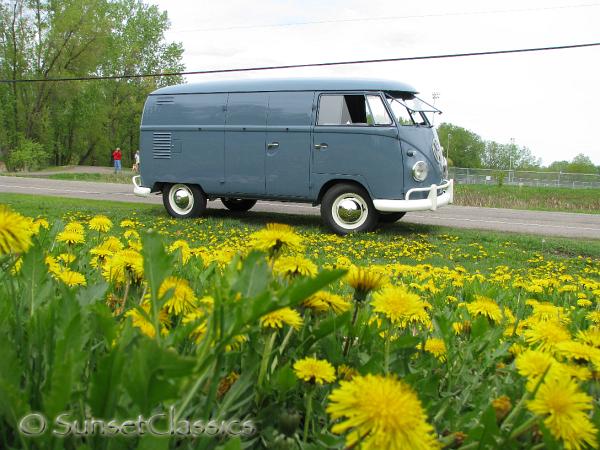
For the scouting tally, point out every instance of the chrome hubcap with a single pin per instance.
(350, 211)
(181, 199)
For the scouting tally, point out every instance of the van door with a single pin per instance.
(355, 138)
(287, 163)
(245, 140)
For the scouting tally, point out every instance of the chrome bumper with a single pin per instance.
(432, 202)
(138, 189)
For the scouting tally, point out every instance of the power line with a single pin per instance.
(297, 66)
(386, 18)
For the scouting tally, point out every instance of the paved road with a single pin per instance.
(510, 220)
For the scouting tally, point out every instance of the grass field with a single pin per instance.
(408, 337)
(525, 197)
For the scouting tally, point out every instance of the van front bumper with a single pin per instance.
(138, 189)
(431, 203)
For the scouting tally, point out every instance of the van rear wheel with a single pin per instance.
(347, 208)
(238, 204)
(184, 201)
(391, 217)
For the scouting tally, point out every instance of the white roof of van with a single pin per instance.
(288, 84)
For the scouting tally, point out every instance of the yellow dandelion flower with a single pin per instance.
(112, 244)
(182, 300)
(71, 278)
(66, 258)
(590, 336)
(284, 316)
(15, 232)
(584, 303)
(74, 227)
(126, 264)
(40, 223)
(70, 237)
(345, 372)
(579, 352)
(461, 327)
(400, 306)
(276, 238)
(144, 325)
(127, 223)
(364, 279)
(184, 248)
(236, 343)
(593, 317)
(291, 266)
(545, 335)
(314, 370)
(436, 347)
(100, 223)
(532, 364)
(486, 307)
(195, 317)
(131, 234)
(565, 411)
(324, 301)
(380, 413)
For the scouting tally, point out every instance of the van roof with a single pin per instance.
(288, 84)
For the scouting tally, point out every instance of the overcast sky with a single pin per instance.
(546, 101)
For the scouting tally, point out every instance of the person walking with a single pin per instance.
(136, 161)
(117, 159)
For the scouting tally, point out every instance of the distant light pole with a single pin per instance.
(510, 157)
(435, 95)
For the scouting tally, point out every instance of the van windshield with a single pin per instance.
(411, 110)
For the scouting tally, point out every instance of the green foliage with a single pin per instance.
(29, 155)
(464, 148)
(80, 122)
(579, 164)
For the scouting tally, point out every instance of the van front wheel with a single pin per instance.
(238, 204)
(347, 208)
(184, 201)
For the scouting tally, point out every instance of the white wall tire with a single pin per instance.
(183, 201)
(347, 208)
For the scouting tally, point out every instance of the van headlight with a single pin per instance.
(420, 170)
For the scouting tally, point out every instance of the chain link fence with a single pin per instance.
(525, 178)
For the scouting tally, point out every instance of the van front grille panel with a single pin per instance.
(161, 146)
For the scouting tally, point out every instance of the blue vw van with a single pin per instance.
(363, 149)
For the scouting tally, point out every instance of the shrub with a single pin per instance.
(29, 155)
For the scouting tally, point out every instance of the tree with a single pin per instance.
(508, 156)
(581, 164)
(79, 121)
(464, 147)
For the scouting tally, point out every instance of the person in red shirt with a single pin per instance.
(117, 159)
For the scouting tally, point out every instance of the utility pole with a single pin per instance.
(510, 157)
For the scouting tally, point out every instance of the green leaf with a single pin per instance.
(284, 379)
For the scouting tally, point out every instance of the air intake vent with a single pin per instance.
(161, 146)
(165, 100)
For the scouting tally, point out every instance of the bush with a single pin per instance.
(29, 155)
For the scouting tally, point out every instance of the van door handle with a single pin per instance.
(320, 146)
(273, 145)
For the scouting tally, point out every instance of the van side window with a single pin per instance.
(342, 110)
(400, 112)
(378, 113)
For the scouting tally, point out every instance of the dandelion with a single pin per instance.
(126, 223)
(380, 413)
(324, 301)
(182, 299)
(364, 280)
(184, 249)
(345, 372)
(15, 232)
(66, 258)
(124, 265)
(579, 352)
(141, 322)
(502, 406)
(74, 227)
(100, 223)
(226, 383)
(236, 343)
(400, 306)
(284, 316)
(71, 278)
(70, 237)
(314, 370)
(486, 307)
(200, 330)
(533, 364)
(276, 238)
(546, 335)
(436, 347)
(291, 266)
(565, 412)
